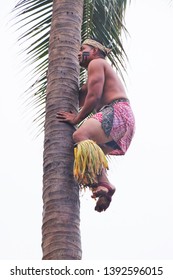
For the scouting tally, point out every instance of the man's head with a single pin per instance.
(90, 50)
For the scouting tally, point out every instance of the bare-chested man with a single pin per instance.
(112, 125)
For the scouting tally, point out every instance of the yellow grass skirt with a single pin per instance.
(89, 160)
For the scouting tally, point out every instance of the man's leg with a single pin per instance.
(92, 130)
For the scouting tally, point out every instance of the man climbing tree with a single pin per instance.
(108, 131)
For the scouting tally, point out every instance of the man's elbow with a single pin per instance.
(95, 99)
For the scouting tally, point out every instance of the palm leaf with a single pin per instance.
(103, 20)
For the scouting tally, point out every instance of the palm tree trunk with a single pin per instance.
(61, 207)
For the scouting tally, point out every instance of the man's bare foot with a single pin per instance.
(104, 192)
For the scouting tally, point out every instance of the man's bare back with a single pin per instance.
(112, 87)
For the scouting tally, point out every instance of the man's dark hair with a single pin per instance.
(101, 53)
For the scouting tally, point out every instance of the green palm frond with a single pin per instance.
(33, 19)
(102, 19)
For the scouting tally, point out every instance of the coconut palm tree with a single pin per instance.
(52, 31)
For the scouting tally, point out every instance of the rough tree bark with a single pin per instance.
(61, 207)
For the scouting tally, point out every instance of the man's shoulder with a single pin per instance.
(97, 62)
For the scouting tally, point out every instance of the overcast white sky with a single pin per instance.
(138, 224)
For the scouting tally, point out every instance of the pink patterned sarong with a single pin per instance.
(122, 126)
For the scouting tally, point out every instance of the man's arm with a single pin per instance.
(82, 95)
(95, 86)
(95, 89)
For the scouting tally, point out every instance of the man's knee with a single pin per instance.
(75, 137)
(79, 136)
